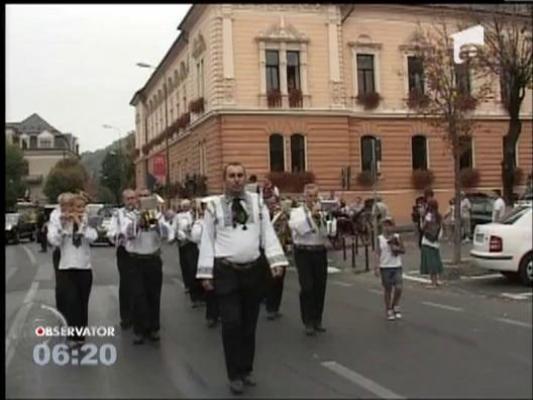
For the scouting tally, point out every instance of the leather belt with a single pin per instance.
(238, 266)
(309, 247)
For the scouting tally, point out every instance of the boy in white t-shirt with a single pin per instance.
(389, 264)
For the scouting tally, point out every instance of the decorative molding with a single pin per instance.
(198, 46)
(282, 32)
(365, 45)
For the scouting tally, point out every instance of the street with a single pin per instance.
(462, 340)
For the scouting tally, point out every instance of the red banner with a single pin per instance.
(159, 166)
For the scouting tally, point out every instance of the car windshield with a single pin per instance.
(12, 218)
(515, 215)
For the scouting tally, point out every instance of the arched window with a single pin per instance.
(466, 160)
(297, 153)
(277, 156)
(419, 155)
(370, 153)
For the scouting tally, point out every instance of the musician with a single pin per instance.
(309, 234)
(212, 313)
(74, 276)
(124, 265)
(188, 251)
(274, 292)
(143, 231)
(237, 229)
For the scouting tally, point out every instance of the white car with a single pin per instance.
(506, 246)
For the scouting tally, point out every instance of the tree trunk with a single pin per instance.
(515, 127)
(457, 210)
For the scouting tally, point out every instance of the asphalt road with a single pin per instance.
(450, 343)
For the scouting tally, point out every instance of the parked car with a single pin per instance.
(19, 226)
(482, 205)
(101, 222)
(506, 246)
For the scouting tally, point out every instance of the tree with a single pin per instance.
(507, 54)
(111, 174)
(16, 168)
(444, 100)
(68, 175)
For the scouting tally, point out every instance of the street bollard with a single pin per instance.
(344, 248)
(353, 253)
(366, 259)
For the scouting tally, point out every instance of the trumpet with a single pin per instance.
(148, 213)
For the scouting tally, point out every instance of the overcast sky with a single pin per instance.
(74, 65)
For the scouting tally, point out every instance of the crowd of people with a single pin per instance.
(234, 249)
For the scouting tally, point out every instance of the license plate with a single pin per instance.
(479, 237)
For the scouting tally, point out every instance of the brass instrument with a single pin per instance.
(148, 212)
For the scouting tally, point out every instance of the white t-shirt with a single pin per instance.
(498, 210)
(386, 258)
(466, 207)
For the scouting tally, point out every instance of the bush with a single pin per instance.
(369, 101)
(295, 98)
(469, 177)
(417, 100)
(292, 182)
(422, 179)
(365, 178)
(274, 98)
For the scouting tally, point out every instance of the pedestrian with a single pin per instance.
(388, 265)
(42, 226)
(188, 252)
(309, 235)
(466, 221)
(380, 211)
(124, 264)
(237, 231)
(449, 221)
(74, 276)
(212, 313)
(431, 262)
(54, 223)
(144, 232)
(498, 207)
(421, 212)
(252, 185)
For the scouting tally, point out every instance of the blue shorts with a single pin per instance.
(391, 277)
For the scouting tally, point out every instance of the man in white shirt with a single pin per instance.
(143, 232)
(466, 209)
(119, 218)
(498, 210)
(309, 235)
(237, 229)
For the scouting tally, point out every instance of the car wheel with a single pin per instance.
(525, 269)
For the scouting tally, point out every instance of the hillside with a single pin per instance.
(92, 160)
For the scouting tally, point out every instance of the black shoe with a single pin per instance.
(310, 331)
(211, 323)
(319, 328)
(154, 337)
(249, 380)
(236, 386)
(138, 340)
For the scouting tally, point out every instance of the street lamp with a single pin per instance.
(167, 153)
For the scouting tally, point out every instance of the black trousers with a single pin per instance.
(56, 257)
(189, 265)
(274, 292)
(212, 311)
(125, 300)
(41, 237)
(74, 286)
(239, 294)
(146, 284)
(312, 269)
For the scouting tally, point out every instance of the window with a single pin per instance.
(370, 153)
(45, 143)
(272, 70)
(365, 74)
(297, 153)
(466, 160)
(33, 142)
(293, 70)
(419, 152)
(277, 157)
(462, 78)
(415, 71)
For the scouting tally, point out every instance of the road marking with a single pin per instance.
(341, 283)
(415, 278)
(443, 306)
(487, 276)
(18, 321)
(29, 253)
(333, 270)
(515, 296)
(362, 381)
(513, 322)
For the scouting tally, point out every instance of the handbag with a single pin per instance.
(431, 231)
(395, 246)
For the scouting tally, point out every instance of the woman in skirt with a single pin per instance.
(431, 263)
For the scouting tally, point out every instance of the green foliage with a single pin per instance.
(68, 175)
(105, 195)
(117, 169)
(16, 168)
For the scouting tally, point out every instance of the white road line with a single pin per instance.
(415, 278)
(362, 381)
(29, 253)
(443, 306)
(514, 296)
(18, 321)
(513, 322)
(344, 284)
(487, 276)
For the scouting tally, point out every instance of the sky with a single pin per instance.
(74, 65)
